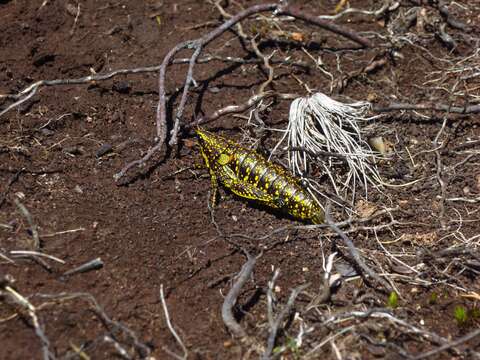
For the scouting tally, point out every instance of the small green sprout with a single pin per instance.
(290, 345)
(433, 298)
(392, 300)
(474, 313)
(461, 315)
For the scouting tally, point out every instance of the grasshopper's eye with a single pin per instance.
(224, 159)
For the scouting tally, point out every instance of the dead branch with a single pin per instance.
(230, 300)
(231, 109)
(449, 345)
(353, 250)
(120, 349)
(469, 109)
(277, 322)
(28, 253)
(439, 173)
(32, 89)
(290, 11)
(32, 312)
(454, 23)
(115, 328)
(94, 264)
(206, 39)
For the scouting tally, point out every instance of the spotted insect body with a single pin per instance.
(249, 175)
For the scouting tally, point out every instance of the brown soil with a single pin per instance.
(157, 230)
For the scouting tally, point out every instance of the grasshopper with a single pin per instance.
(249, 175)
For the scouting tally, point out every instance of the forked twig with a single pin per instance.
(32, 312)
(277, 322)
(114, 327)
(353, 250)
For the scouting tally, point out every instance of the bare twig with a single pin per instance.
(120, 349)
(32, 312)
(324, 24)
(33, 227)
(325, 290)
(77, 15)
(114, 327)
(454, 23)
(170, 327)
(32, 89)
(227, 308)
(19, 253)
(469, 109)
(353, 250)
(94, 264)
(439, 173)
(277, 323)
(197, 47)
(449, 345)
(43, 236)
(254, 100)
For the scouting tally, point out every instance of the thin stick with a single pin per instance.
(279, 320)
(94, 264)
(449, 345)
(36, 253)
(353, 250)
(197, 46)
(469, 109)
(62, 233)
(230, 109)
(33, 227)
(32, 89)
(327, 25)
(114, 327)
(21, 300)
(170, 327)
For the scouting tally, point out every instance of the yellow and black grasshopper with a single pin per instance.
(249, 175)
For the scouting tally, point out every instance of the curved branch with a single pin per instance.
(227, 308)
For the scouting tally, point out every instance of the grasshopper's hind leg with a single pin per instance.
(213, 193)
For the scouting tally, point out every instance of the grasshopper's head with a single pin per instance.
(206, 139)
(212, 145)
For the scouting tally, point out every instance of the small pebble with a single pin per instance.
(104, 149)
(73, 150)
(122, 87)
(47, 132)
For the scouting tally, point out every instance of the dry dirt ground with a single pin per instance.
(60, 149)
